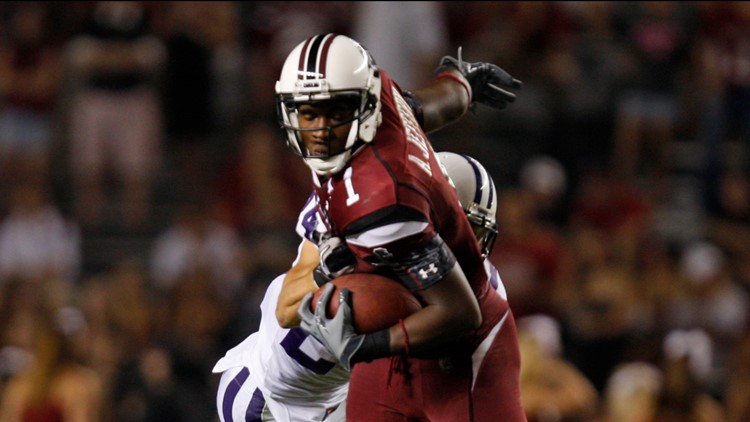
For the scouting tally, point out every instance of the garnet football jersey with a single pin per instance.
(393, 199)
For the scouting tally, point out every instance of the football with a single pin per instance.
(377, 301)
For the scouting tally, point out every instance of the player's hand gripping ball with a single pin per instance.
(378, 302)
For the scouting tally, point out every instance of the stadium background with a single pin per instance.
(625, 199)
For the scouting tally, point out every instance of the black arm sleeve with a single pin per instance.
(420, 268)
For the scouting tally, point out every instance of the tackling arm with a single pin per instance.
(450, 308)
(450, 312)
(297, 282)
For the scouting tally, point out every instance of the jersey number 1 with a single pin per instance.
(351, 196)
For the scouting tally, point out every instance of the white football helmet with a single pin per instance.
(476, 193)
(325, 67)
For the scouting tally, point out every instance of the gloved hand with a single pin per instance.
(335, 257)
(336, 334)
(490, 85)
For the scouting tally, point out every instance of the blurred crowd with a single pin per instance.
(147, 197)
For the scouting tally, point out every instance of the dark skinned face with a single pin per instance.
(328, 124)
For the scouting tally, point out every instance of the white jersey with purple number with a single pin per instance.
(279, 374)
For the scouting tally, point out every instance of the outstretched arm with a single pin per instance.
(457, 86)
(441, 102)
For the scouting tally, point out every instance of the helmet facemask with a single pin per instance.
(484, 226)
(362, 106)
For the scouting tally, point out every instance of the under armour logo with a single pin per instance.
(432, 269)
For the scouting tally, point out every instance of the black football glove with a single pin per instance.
(490, 85)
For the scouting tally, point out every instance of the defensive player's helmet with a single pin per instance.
(476, 193)
(326, 67)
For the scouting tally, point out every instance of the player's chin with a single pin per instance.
(318, 151)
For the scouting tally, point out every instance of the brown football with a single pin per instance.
(378, 302)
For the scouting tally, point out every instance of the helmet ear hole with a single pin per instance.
(368, 126)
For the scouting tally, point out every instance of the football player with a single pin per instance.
(381, 193)
(284, 374)
(272, 379)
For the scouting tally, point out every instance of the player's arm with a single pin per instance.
(458, 85)
(450, 311)
(442, 102)
(315, 266)
(297, 282)
(450, 308)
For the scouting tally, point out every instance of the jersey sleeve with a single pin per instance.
(409, 251)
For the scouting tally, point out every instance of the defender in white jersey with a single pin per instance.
(279, 374)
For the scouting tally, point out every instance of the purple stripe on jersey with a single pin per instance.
(291, 344)
(255, 408)
(232, 389)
